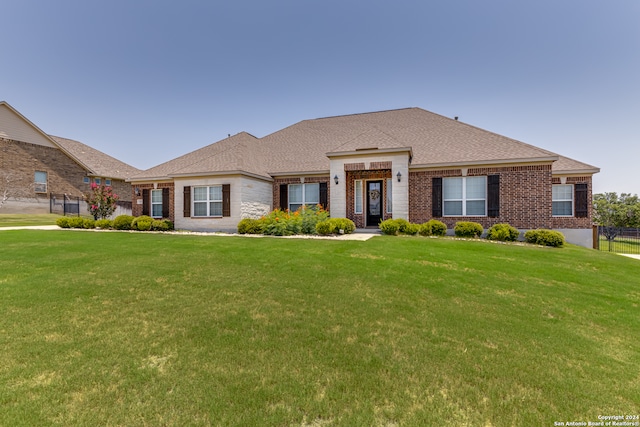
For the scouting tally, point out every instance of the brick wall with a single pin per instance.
(525, 197)
(296, 180)
(136, 207)
(352, 176)
(21, 160)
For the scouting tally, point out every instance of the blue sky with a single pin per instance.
(146, 81)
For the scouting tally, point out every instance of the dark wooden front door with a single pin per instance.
(374, 203)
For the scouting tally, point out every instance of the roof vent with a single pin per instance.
(456, 118)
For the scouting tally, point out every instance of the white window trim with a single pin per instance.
(304, 195)
(358, 183)
(208, 202)
(389, 197)
(571, 200)
(107, 182)
(40, 187)
(464, 199)
(152, 203)
(86, 180)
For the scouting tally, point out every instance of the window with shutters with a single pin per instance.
(562, 198)
(40, 182)
(303, 194)
(156, 203)
(207, 201)
(465, 196)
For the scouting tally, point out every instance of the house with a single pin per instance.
(36, 168)
(407, 163)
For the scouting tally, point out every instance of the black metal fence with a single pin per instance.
(62, 204)
(619, 240)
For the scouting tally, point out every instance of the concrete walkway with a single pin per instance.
(631, 256)
(32, 227)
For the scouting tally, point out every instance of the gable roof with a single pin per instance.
(95, 161)
(305, 147)
(234, 154)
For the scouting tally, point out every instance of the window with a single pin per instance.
(207, 201)
(465, 196)
(86, 180)
(40, 182)
(389, 198)
(98, 181)
(156, 203)
(107, 182)
(303, 194)
(358, 196)
(562, 197)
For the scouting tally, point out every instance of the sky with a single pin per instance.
(148, 80)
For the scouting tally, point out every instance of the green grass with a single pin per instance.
(148, 329)
(19, 220)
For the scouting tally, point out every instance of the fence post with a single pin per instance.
(596, 237)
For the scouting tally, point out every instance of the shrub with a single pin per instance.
(122, 222)
(411, 229)
(142, 223)
(503, 233)
(89, 223)
(346, 225)
(103, 224)
(544, 237)
(309, 217)
(468, 229)
(250, 226)
(76, 222)
(281, 223)
(63, 222)
(438, 228)
(389, 227)
(324, 227)
(159, 225)
(403, 224)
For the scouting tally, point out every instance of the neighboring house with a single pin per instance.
(407, 163)
(35, 167)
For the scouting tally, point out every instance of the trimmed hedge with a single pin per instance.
(545, 237)
(103, 224)
(433, 227)
(122, 222)
(468, 229)
(503, 233)
(142, 223)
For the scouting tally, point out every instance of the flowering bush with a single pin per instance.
(285, 223)
(101, 202)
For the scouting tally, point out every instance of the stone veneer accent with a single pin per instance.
(525, 197)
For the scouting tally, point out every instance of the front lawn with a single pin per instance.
(151, 329)
(19, 220)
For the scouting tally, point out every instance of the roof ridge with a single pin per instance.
(365, 113)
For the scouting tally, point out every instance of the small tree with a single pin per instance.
(101, 202)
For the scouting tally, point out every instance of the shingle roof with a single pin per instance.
(97, 162)
(434, 140)
(233, 154)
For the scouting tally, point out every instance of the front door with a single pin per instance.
(374, 203)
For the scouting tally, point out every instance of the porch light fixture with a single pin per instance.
(137, 191)
(399, 175)
(335, 179)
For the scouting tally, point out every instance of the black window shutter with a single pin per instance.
(145, 202)
(165, 203)
(324, 200)
(284, 196)
(581, 200)
(493, 196)
(226, 199)
(186, 194)
(436, 197)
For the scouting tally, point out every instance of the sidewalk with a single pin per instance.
(32, 227)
